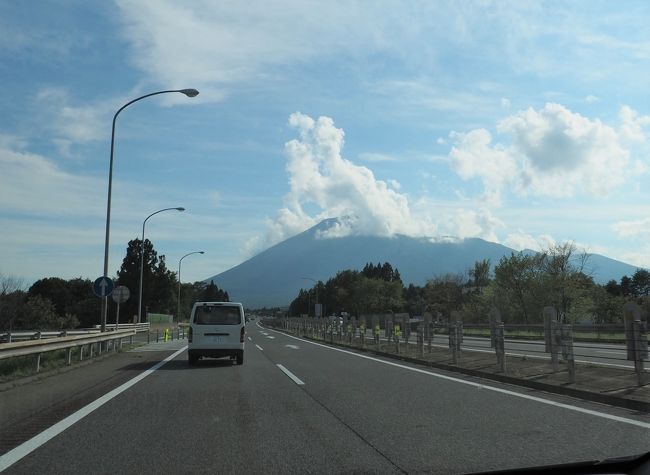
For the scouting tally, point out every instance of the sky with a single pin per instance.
(523, 123)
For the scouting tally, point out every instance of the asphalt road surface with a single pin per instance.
(301, 407)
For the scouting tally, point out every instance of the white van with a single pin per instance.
(217, 329)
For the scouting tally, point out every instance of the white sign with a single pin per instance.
(121, 294)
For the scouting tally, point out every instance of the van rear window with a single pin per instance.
(217, 315)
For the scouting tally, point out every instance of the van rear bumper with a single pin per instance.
(216, 352)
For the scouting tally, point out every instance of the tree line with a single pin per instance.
(54, 303)
(519, 285)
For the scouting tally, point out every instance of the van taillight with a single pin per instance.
(242, 334)
(189, 336)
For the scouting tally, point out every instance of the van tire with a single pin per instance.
(240, 357)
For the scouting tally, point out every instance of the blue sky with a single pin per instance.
(524, 123)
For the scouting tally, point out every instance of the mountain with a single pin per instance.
(274, 276)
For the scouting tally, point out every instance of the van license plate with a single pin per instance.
(216, 339)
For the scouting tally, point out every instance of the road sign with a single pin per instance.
(103, 286)
(121, 294)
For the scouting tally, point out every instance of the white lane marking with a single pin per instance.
(293, 347)
(24, 449)
(611, 352)
(249, 338)
(259, 347)
(293, 377)
(270, 337)
(645, 425)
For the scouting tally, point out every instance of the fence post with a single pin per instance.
(157, 335)
(551, 333)
(428, 330)
(636, 339)
(406, 328)
(500, 345)
(421, 339)
(398, 334)
(495, 319)
(453, 342)
(567, 351)
(640, 349)
(362, 332)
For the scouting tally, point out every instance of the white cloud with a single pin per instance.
(520, 241)
(553, 152)
(633, 229)
(473, 156)
(505, 103)
(470, 223)
(319, 176)
(591, 99)
(31, 184)
(633, 124)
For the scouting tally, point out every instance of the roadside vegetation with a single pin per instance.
(54, 303)
(519, 285)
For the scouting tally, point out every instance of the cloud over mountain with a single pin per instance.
(552, 152)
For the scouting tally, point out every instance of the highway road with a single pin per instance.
(296, 407)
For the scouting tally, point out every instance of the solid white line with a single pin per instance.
(14, 455)
(250, 339)
(270, 337)
(644, 425)
(293, 377)
(259, 347)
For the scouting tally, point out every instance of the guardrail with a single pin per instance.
(558, 346)
(40, 346)
(9, 337)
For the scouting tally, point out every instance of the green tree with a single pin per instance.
(517, 278)
(159, 283)
(641, 283)
(444, 295)
(480, 274)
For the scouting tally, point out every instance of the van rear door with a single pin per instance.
(217, 324)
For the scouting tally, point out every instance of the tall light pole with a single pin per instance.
(188, 93)
(178, 308)
(316, 282)
(142, 257)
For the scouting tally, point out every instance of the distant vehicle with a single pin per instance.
(216, 330)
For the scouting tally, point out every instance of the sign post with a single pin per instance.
(102, 287)
(120, 295)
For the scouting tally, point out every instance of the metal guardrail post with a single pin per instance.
(453, 342)
(68, 356)
(500, 345)
(38, 362)
(567, 351)
(639, 334)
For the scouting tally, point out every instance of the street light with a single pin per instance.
(142, 257)
(188, 93)
(178, 308)
(316, 282)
